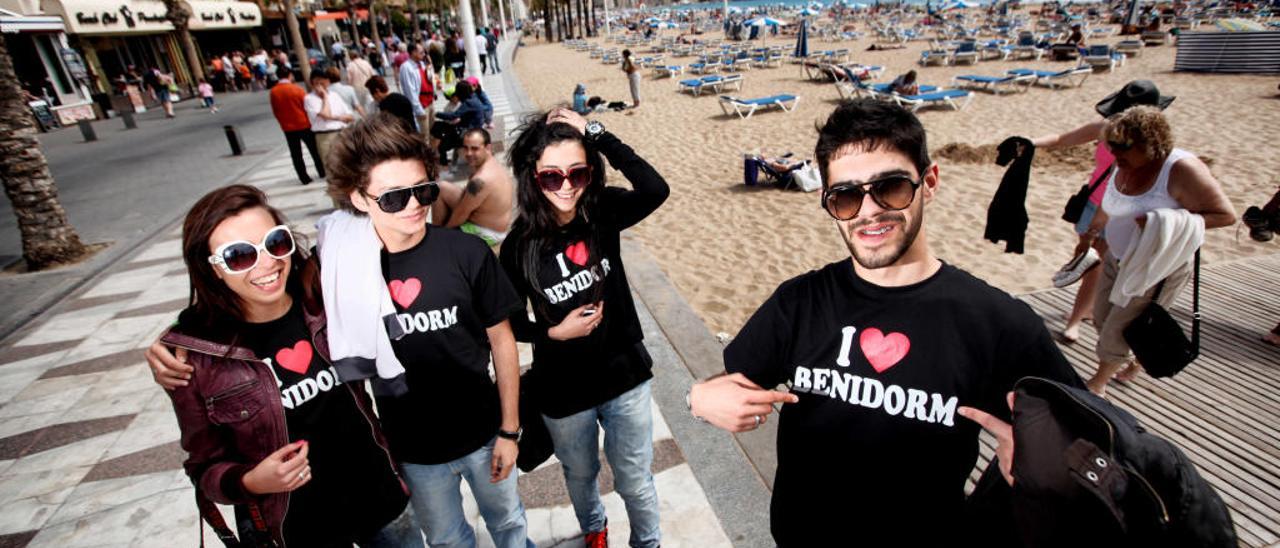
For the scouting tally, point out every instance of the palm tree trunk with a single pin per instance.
(413, 14)
(180, 17)
(295, 36)
(546, 20)
(353, 17)
(375, 35)
(48, 238)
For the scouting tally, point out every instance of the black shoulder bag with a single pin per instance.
(1156, 338)
(1075, 205)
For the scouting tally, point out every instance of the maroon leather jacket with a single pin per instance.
(231, 418)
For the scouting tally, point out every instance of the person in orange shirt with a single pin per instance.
(286, 105)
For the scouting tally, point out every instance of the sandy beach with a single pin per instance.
(727, 246)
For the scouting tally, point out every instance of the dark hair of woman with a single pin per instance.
(536, 225)
(462, 91)
(212, 302)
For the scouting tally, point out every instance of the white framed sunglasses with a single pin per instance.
(241, 256)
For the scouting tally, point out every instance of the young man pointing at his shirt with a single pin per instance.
(881, 353)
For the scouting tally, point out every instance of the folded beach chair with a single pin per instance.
(1102, 56)
(1072, 77)
(744, 108)
(954, 98)
(966, 52)
(994, 84)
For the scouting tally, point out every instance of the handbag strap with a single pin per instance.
(1101, 177)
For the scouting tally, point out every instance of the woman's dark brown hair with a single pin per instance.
(366, 144)
(211, 301)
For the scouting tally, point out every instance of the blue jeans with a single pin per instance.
(402, 532)
(437, 501)
(628, 444)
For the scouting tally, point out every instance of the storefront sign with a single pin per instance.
(68, 115)
(215, 14)
(111, 16)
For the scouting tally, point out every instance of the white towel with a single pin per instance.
(1168, 242)
(361, 318)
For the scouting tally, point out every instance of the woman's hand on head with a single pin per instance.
(567, 116)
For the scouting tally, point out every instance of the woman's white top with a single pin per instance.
(1122, 209)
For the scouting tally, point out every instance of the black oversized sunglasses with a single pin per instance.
(895, 192)
(395, 200)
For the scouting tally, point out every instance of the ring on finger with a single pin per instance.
(758, 420)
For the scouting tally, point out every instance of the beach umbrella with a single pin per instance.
(802, 40)
(808, 12)
(759, 24)
(663, 25)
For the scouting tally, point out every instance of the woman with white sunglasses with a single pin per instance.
(265, 423)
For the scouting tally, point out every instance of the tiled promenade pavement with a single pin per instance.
(89, 452)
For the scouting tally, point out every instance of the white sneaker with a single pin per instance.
(1075, 269)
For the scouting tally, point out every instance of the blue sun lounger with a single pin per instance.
(713, 82)
(1072, 77)
(744, 108)
(949, 97)
(994, 84)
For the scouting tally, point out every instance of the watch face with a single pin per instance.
(594, 128)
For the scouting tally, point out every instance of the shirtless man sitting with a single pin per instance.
(484, 205)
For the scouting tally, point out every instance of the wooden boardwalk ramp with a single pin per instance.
(1223, 411)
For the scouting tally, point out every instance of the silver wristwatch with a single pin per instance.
(594, 129)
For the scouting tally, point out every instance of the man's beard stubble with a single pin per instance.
(909, 237)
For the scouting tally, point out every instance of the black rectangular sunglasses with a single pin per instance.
(395, 200)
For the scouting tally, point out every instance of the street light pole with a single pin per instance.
(484, 13)
(469, 37)
(502, 18)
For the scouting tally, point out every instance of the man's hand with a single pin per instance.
(1003, 432)
(734, 403)
(282, 471)
(577, 323)
(169, 369)
(505, 452)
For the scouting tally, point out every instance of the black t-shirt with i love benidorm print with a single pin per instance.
(447, 291)
(874, 452)
(347, 464)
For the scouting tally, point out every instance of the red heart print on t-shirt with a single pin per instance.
(296, 359)
(577, 253)
(403, 292)
(883, 351)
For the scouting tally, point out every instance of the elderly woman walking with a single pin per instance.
(1150, 175)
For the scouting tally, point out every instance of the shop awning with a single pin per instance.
(11, 22)
(110, 16)
(212, 15)
(362, 14)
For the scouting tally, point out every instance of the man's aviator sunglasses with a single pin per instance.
(395, 200)
(895, 192)
(241, 256)
(552, 179)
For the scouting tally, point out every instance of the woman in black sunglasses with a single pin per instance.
(590, 367)
(265, 423)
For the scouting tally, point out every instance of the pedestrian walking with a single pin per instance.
(358, 72)
(415, 83)
(482, 48)
(206, 95)
(492, 42)
(287, 104)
